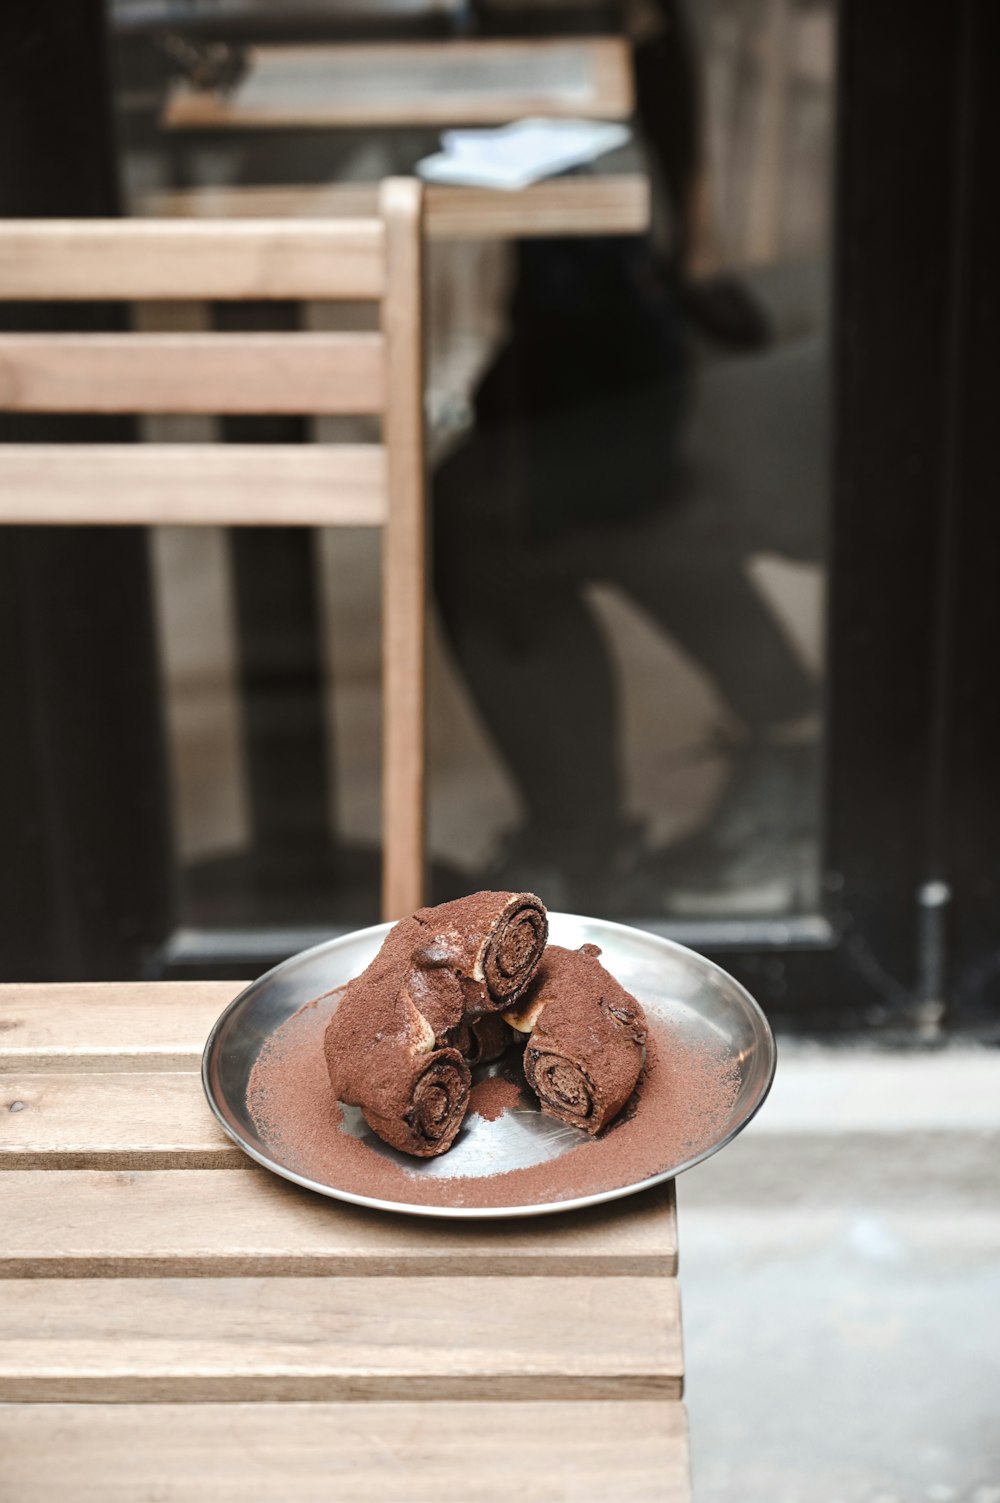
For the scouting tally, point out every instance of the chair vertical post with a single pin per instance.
(404, 555)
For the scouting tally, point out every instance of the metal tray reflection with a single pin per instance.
(697, 999)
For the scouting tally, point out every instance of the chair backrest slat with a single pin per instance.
(223, 485)
(151, 260)
(191, 373)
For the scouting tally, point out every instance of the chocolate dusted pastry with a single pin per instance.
(407, 1030)
(382, 1056)
(481, 1038)
(587, 1039)
(434, 991)
(492, 941)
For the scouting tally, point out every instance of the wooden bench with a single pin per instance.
(177, 1323)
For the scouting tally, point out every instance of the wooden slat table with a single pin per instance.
(175, 1323)
(600, 202)
(485, 82)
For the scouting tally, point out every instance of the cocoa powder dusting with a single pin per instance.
(491, 1097)
(681, 1106)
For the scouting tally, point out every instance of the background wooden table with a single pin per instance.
(419, 84)
(596, 202)
(479, 82)
(177, 1323)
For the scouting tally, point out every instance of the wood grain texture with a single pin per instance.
(194, 485)
(190, 373)
(317, 1453)
(76, 259)
(84, 1224)
(486, 82)
(595, 204)
(134, 1025)
(189, 1340)
(610, 205)
(404, 557)
(116, 1121)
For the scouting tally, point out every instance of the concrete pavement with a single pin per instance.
(840, 1271)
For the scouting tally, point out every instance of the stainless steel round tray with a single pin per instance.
(699, 1002)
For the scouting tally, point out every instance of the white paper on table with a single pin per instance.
(514, 156)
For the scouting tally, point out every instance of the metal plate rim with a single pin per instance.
(489, 1213)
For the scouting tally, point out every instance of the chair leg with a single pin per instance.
(404, 572)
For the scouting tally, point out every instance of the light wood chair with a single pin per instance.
(381, 485)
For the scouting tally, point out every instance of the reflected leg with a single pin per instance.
(757, 851)
(534, 659)
(689, 571)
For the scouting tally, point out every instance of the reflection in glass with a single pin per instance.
(629, 450)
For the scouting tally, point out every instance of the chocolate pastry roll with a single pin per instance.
(382, 1055)
(587, 1039)
(492, 941)
(481, 1038)
(400, 1044)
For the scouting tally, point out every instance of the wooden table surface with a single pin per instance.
(444, 83)
(486, 81)
(176, 1323)
(612, 198)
